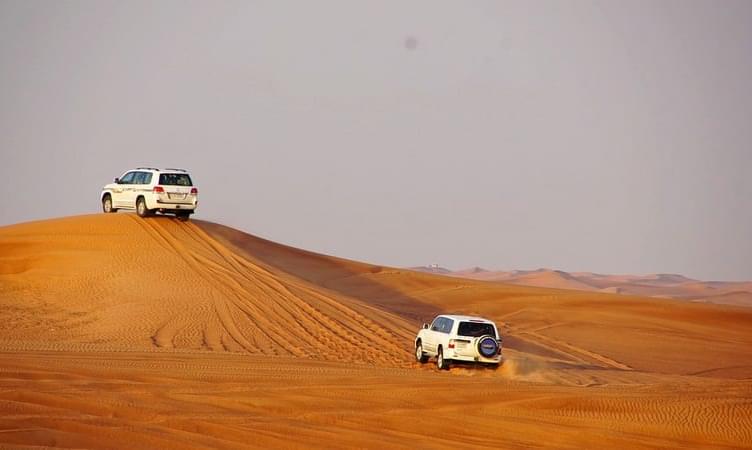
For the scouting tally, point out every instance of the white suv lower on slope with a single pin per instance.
(459, 338)
(149, 190)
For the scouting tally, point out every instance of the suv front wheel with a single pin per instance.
(419, 355)
(107, 204)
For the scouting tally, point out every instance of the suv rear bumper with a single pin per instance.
(154, 202)
(167, 205)
(481, 359)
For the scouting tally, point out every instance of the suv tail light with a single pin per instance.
(158, 190)
(457, 342)
(194, 191)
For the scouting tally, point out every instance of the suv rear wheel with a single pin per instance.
(141, 208)
(441, 363)
(183, 216)
(107, 204)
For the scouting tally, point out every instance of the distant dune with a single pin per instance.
(153, 333)
(653, 285)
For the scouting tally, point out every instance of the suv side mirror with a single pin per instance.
(117, 180)
(425, 326)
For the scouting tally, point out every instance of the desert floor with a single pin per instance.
(121, 332)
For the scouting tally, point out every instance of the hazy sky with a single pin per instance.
(601, 136)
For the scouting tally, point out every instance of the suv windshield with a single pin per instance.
(475, 329)
(175, 179)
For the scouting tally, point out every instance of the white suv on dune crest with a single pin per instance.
(459, 338)
(149, 190)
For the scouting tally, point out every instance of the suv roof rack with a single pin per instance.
(176, 170)
(147, 168)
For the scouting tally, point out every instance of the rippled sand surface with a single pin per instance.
(122, 332)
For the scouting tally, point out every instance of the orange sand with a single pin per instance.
(131, 333)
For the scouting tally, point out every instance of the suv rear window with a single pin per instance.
(175, 179)
(475, 329)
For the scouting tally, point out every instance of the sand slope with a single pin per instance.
(120, 282)
(124, 332)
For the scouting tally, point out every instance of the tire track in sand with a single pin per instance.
(311, 307)
(220, 302)
(576, 353)
(262, 313)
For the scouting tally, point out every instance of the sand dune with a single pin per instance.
(120, 282)
(653, 285)
(132, 333)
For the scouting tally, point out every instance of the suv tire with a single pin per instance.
(141, 208)
(107, 204)
(441, 363)
(419, 355)
(183, 216)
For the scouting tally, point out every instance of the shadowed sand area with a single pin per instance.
(125, 332)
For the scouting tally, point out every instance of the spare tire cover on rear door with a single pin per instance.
(487, 346)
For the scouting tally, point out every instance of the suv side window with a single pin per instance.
(128, 178)
(448, 324)
(442, 325)
(139, 178)
(147, 178)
